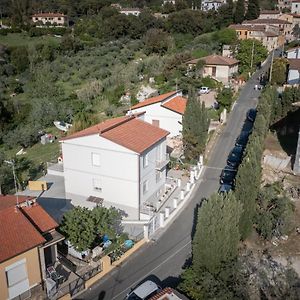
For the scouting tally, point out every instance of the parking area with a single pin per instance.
(208, 99)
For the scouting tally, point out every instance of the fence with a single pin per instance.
(91, 273)
(71, 288)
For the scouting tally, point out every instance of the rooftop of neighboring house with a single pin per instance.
(292, 49)
(296, 1)
(155, 99)
(11, 200)
(266, 21)
(294, 64)
(168, 294)
(177, 104)
(22, 227)
(49, 15)
(269, 12)
(217, 60)
(127, 131)
(249, 27)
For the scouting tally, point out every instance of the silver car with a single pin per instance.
(144, 291)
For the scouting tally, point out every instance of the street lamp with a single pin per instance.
(12, 163)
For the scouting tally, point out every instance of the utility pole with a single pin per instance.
(12, 163)
(271, 67)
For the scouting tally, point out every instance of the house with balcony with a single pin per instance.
(120, 162)
(28, 246)
(164, 111)
(50, 18)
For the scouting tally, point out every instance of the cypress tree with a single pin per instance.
(253, 10)
(217, 233)
(239, 14)
(195, 126)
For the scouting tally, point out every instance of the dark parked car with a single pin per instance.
(225, 188)
(235, 156)
(242, 139)
(251, 114)
(228, 175)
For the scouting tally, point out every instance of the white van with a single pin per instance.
(204, 90)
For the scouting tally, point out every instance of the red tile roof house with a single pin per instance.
(218, 67)
(27, 246)
(120, 162)
(164, 111)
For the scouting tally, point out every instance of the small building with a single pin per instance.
(28, 242)
(164, 111)
(130, 11)
(53, 19)
(207, 5)
(293, 53)
(269, 14)
(122, 164)
(293, 71)
(218, 67)
(169, 2)
(284, 4)
(295, 9)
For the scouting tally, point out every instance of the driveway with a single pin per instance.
(166, 255)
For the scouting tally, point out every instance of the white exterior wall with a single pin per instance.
(51, 20)
(295, 8)
(294, 53)
(118, 171)
(293, 77)
(148, 173)
(222, 72)
(168, 119)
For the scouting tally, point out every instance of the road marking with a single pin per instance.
(158, 266)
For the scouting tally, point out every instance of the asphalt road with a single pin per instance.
(165, 257)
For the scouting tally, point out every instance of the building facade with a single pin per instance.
(54, 19)
(122, 164)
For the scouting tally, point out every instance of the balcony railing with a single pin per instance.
(160, 164)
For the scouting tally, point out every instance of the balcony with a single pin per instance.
(160, 164)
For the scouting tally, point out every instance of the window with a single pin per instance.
(145, 160)
(59, 18)
(96, 159)
(97, 186)
(145, 186)
(36, 19)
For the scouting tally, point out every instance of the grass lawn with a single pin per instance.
(22, 39)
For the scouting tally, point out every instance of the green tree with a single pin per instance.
(19, 59)
(239, 13)
(225, 13)
(217, 233)
(250, 52)
(157, 41)
(253, 10)
(195, 126)
(82, 120)
(225, 98)
(279, 71)
(226, 36)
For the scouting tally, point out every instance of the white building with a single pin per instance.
(207, 5)
(293, 53)
(295, 7)
(294, 71)
(169, 2)
(164, 111)
(57, 19)
(130, 11)
(120, 162)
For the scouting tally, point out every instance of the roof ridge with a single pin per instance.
(125, 120)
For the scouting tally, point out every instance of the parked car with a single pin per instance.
(242, 140)
(225, 188)
(251, 114)
(228, 175)
(144, 291)
(204, 90)
(235, 156)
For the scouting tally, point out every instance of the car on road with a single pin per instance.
(225, 188)
(144, 291)
(228, 175)
(204, 90)
(242, 139)
(251, 114)
(235, 156)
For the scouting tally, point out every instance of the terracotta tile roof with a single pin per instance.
(294, 64)
(17, 233)
(219, 60)
(167, 294)
(269, 12)
(49, 15)
(135, 135)
(176, 104)
(39, 217)
(153, 100)
(11, 200)
(127, 131)
(249, 27)
(266, 21)
(292, 49)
